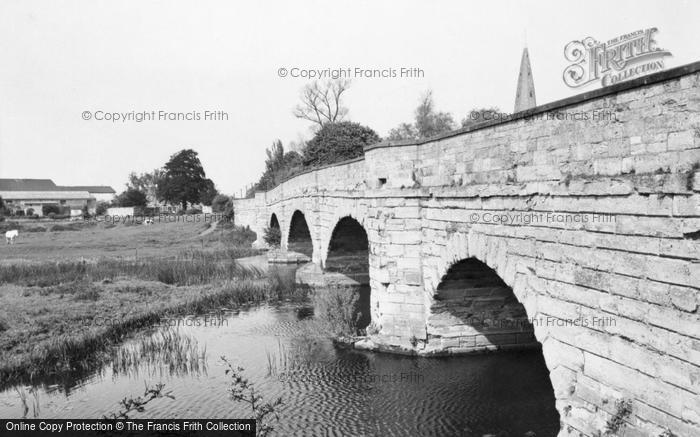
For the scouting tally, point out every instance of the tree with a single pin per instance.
(323, 104)
(404, 131)
(479, 115)
(184, 179)
(336, 142)
(147, 183)
(131, 197)
(208, 192)
(427, 123)
(279, 165)
(219, 203)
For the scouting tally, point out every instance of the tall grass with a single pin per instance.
(291, 358)
(336, 308)
(167, 350)
(187, 269)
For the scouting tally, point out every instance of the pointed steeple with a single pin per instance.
(525, 94)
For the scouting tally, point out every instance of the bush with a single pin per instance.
(50, 209)
(101, 208)
(272, 236)
(9, 225)
(19, 213)
(131, 197)
(30, 211)
(336, 308)
(219, 203)
(192, 211)
(51, 215)
(336, 142)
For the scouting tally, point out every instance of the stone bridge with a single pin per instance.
(574, 226)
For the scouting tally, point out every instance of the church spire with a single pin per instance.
(525, 94)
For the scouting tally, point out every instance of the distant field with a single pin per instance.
(43, 241)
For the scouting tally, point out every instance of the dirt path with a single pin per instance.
(210, 230)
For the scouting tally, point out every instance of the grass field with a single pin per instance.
(42, 241)
(71, 293)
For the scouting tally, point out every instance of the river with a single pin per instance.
(325, 391)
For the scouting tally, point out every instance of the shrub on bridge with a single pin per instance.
(336, 142)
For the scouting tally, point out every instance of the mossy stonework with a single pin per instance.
(577, 233)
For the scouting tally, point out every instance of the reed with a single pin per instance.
(167, 351)
(336, 309)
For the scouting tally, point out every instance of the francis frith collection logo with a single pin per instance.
(625, 57)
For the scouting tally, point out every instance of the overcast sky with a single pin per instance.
(59, 59)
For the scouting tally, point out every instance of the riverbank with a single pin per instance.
(61, 317)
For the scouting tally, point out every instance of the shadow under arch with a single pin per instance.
(348, 255)
(472, 297)
(473, 310)
(299, 238)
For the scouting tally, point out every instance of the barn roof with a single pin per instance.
(45, 195)
(27, 185)
(48, 185)
(102, 189)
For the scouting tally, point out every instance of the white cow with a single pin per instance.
(11, 235)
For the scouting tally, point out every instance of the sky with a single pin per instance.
(61, 59)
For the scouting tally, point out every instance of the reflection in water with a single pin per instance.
(326, 391)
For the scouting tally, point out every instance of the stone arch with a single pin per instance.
(348, 255)
(563, 361)
(473, 310)
(299, 235)
(346, 209)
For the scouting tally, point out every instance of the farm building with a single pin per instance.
(26, 194)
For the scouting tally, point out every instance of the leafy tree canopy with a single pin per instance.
(279, 165)
(479, 115)
(184, 180)
(131, 197)
(336, 142)
(427, 123)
